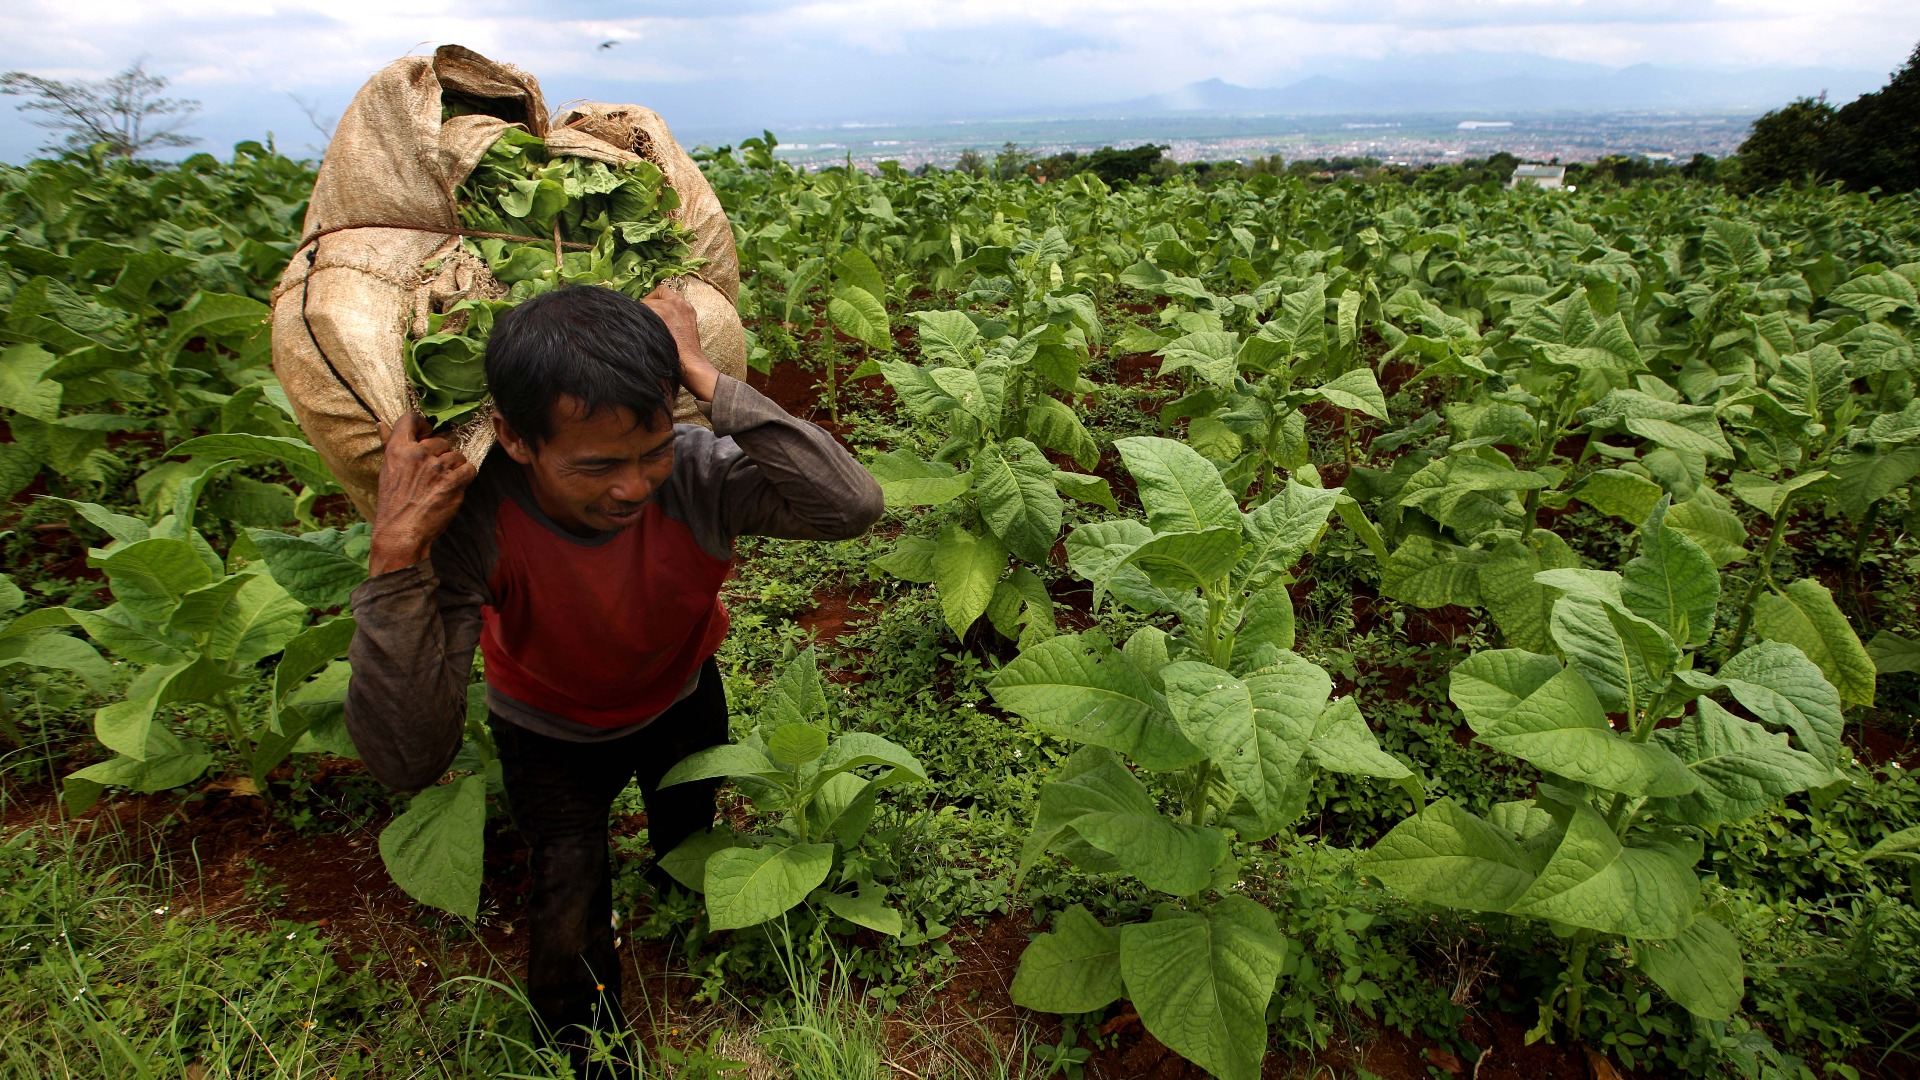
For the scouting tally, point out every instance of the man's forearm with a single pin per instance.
(406, 700)
(813, 489)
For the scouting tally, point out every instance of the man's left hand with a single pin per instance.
(697, 373)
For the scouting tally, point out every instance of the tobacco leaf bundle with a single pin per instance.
(612, 228)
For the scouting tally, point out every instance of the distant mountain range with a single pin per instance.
(1572, 87)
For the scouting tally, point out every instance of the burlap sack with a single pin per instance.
(383, 206)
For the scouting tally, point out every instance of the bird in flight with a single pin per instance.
(605, 45)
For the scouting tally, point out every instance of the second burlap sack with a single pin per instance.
(383, 208)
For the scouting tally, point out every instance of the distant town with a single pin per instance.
(1408, 140)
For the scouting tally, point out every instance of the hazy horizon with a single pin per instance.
(731, 68)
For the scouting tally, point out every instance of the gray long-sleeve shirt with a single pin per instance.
(586, 638)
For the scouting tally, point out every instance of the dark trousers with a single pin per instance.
(560, 794)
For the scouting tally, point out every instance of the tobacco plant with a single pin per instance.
(992, 387)
(1232, 722)
(1639, 757)
(796, 766)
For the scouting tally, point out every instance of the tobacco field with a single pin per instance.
(1319, 629)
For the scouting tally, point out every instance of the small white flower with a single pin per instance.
(291, 933)
(161, 910)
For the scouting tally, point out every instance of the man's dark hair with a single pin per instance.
(599, 346)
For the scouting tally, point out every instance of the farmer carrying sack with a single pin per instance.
(383, 208)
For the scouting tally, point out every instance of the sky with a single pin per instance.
(731, 67)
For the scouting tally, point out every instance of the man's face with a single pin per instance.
(597, 470)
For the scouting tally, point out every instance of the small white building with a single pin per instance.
(1552, 177)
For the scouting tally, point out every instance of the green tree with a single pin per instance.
(1791, 143)
(1877, 136)
(127, 112)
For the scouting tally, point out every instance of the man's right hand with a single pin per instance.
(422, 481)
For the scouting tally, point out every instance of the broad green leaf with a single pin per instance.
(308, 652)
(1488, 685)
(434, 850)
(796, 694)
(1202, 980)
(150, 577)
(965, 569)
(1780, 686)
(1078, 688)
(120, 632)
(946, 335)
(1281, 530)
(1357, 390)
(861, 316)
(1209, 354)
(910, 560)
(1716, 530)
(1087, 489)
(1700, 969)
(1171, 856)
(1099, 552)
(1253, 731)
(1804, 615)
(1876, 295)
(259, 622)
(906, 480)
(1593, 881)
(170, 765)
(58, 652)
(1626, 658)
(1092, 781)
(1691, 428)
(1732, 249)
(1619, 493)
(1767, 496)
(202, 609)
(1054, 425)
(1075, 968)
(1742, 767)
(1181, 491)
(1022, 609)
(746, 886)
(855, 749)
(1862, 479)
(727, 759)
(1672, 582)
(1509, 587)
(1299, 328)
(854, 268)
(23, 385)
(1356, 519)
(124, 529)
(1430, 574)
(1445, 855)
(1018, 501)
(792, 745)
(126, 726)
(687, 863)
(1893, 654)
(1343, 743)
(1266, 622)
(298, 456)
(966, 388)
(868, 908)
(1187, 560)
(314, 567)
(1561, 728)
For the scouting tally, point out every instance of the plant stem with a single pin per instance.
(1860, 540)
(1763, 574)
(1577, 984)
